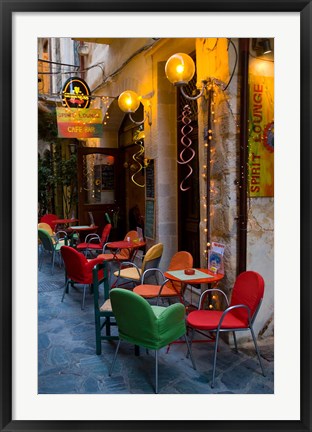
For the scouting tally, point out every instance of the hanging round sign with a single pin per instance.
(76, 93)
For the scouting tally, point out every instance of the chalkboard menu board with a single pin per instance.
(150, 218)
(108, 177)
(150, 180)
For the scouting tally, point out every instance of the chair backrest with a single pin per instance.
(152, 257)
(105, 234)
(248, 290)
(99, 274)
(180, 260)
(134, 316)
(45, 239)
(49, 218)
(133, 235)
(46, 227)
(139, 324)
(75, 264)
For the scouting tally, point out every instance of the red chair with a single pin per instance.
(94, 243)
(49, 218)
(239, 315)
(78, 270)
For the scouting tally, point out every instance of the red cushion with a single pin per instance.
(209, 320)
(151, 291)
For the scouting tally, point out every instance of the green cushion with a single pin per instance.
(142, 324)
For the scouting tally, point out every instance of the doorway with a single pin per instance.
(188, 200)
(99, 188)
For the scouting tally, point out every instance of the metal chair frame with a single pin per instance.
(50, 246)
(157, 336)
(218, 330)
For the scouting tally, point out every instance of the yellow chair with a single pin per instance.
(131, 272)
(55, 237)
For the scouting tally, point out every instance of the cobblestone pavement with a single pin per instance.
(68, 363)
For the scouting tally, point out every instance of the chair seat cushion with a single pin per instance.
(59, 245)
(151, 291)
(209, 320)
(129, 273)
(106, 306)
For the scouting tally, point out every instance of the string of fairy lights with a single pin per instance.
(215, 90)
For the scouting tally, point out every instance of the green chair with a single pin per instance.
(152, 327)
(102, 310)
(51, 245)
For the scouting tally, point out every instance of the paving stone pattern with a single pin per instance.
(68, 364)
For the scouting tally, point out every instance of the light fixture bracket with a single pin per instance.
(148, 116)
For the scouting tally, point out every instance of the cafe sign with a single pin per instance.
(261, 136)
(79, 123)
(76, 93)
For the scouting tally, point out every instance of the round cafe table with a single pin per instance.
(82, 230)
(60, 223)
(117, 246)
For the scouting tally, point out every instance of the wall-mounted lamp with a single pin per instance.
(180, 69)
(129, 102)
(83, 49)
(72, 148)
(261, 46)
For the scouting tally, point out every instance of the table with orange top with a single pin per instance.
(200, 276)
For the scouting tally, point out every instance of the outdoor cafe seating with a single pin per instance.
(152, 327)
(167, 289)
(128, 271)
(94, 243)
(78, 270)
(50, 244)
(238, 316)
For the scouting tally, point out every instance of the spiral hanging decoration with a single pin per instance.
(186, 142)
(136, 157)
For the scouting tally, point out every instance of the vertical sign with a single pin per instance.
(261, 136)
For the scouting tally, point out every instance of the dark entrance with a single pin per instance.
(188, 201)
(99, 187)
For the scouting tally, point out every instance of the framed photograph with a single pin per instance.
(22, 407)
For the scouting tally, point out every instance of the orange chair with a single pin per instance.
(94, 243)
(78, 270)
(169, 289)
(123, 254)
(239, 315)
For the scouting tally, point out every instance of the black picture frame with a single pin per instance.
(8, 7)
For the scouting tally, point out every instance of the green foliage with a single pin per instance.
(56, 174)
(47, 126)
